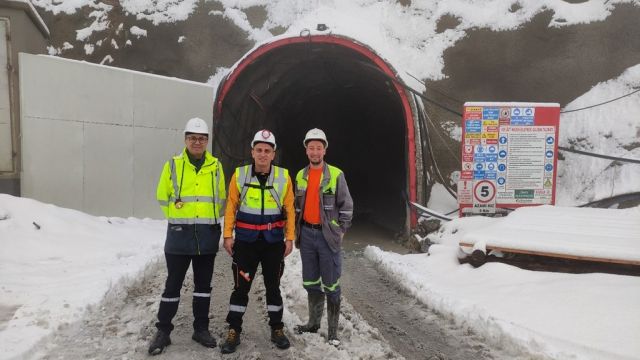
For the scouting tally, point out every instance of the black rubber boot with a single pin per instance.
(160, 341)
(333, 314)
(231, 343)
(204, 338)
(280, 339)
(316, 308)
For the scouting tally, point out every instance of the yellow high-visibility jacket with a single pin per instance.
(193, 204)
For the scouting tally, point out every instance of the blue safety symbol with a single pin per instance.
(503, 140)
(548, 167)
(501, 181)
(502, 167)
(491, 166)
(550, 140)
(528, 112)
(502, 153)
(479, 148)
(492, 149)
(516, 112)
(548, 154)
(479, 166)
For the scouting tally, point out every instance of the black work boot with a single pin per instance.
(333, 314)
(159, 342)
(231, 343)
(204, 338)
(279, 338)
(316, 308)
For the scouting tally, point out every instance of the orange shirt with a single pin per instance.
(312, 201)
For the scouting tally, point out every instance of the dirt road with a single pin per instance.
(379, 321)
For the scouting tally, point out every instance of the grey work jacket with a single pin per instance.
(336, 205)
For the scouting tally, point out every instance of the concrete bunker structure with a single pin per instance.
(335, 83)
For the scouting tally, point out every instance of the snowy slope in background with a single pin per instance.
(405, 35)
(48, 275)
(612, 129)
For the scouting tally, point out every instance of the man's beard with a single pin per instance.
(313, 162)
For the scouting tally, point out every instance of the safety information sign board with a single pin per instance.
(508, 155)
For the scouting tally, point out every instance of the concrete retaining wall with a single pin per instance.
(94, 138)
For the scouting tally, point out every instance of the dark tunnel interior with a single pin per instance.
(296, 87)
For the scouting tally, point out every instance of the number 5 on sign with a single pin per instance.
(484, 191)
(484, 197)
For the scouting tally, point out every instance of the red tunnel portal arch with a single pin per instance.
(352, 44)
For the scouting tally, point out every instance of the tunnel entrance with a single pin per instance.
(336, 84)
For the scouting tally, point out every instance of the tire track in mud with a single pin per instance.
(412, 329)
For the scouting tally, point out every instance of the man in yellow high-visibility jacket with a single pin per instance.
(191, 193)
(260, 209)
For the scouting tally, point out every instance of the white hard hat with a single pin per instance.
(264, 136)
(315, 134)
(196, 126)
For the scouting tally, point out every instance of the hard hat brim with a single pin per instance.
(253, 143)
(306, 141)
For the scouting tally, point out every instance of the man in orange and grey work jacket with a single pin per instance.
(260, 208)
(324, 209)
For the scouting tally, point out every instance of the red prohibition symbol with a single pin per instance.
(484, 191)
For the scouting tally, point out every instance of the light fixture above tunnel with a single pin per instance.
(343, 87)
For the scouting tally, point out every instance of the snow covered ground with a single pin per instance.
(557, 315)
(55, 261)
(51, 274)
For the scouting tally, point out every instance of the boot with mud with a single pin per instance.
(231, 343)
(204, 338)
(333, 314)
(280, 339)
(316, 308)
(160, 341)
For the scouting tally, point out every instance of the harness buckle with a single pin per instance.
(269, 226)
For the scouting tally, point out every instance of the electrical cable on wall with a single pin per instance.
(435, 89)
(422, 114)
(600, 104)
(415, 92)
(615, 158)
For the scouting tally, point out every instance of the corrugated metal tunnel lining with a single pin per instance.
(293, 86)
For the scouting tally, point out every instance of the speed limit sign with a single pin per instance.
(484, 191)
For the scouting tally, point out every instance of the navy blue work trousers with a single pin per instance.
(321, 267)
(177, 266)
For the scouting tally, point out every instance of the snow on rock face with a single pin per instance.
(407, 36)
(138, 32)
(612, 129)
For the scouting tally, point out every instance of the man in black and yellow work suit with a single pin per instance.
(191, 193)
(260, 209)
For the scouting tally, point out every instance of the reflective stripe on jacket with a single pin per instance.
(261, 205)
(336, 204)
(192, 203)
